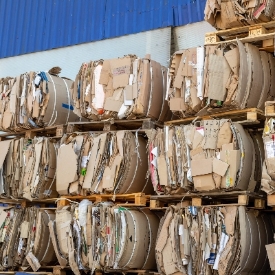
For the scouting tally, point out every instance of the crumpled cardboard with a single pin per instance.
(234, 76)
(25, 238)
(35, 99)
(185, 81)
(230, 14)
(268, 171)
(213, 240)
(28, 168)
(110, 163)
(210, 155)
(122, 88)
(115, 238)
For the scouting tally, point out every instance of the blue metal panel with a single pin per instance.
(36, 25)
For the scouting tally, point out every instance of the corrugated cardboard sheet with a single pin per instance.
(25, 238)
(213, 240)
(185, 81)
(268, 171)
(122, 88)
(28, 168)
(113, 162)
(217, 154)
(225, 14)
(234, 75)
(114, 237)
(35, 99)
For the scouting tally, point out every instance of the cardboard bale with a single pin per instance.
(235, 244)
(268, 171)
(114, 227)
(34, 100)
(28, 168)
(185, 81)
(212, 155)
(234, 78)
(25, 239)
(113, 162)
(233, 13)
(122, 88)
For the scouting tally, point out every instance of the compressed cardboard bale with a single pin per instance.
(10, 219)
(113, 162)
(185, 81)
(268, 171)
(127, 236)
(35, 241)
(34, 100)
(28, 168)
(233, 78)
(233, 13)
(122, 88)
(212, 155)
(238, 247)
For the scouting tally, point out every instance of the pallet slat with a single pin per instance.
(245, 116)
(244, 198)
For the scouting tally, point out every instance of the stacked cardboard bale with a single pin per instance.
(226, 14)
(268, 171)
(25, 238)
(232, 75)
(214, 240)
(121, 88)
(28, 168)
(104, 236)
(110, 163)
(212, 155)
(35, 99)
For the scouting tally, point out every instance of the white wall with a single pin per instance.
(156, 42)
(191, 35)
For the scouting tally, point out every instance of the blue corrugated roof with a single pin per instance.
(36, 25)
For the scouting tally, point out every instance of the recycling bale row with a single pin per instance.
(121, 88)
(210, 155)
(35, 100)
(25, 238)
(232, 75)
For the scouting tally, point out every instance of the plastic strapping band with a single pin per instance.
(69, 100)
(54, 111)
(135, 241)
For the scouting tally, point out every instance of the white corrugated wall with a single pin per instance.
(191, 35)
(156, 42)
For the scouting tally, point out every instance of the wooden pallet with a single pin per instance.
(108, 125)
(111, 124)
(38, 272)
(271, 200)
(245, 198)
(131, 271)
(251, 116)
(43, 203)
(260, 34)
(127, 200)
(270, 108)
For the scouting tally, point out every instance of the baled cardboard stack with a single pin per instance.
(232, 75)
(25, 238)
(35, 99)
(212, 155)
(121, 88)
(214, 240)
(110, 163)
(27, 168)
(185, 81)
(104, 236)
(226, 14)
(268, 172)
